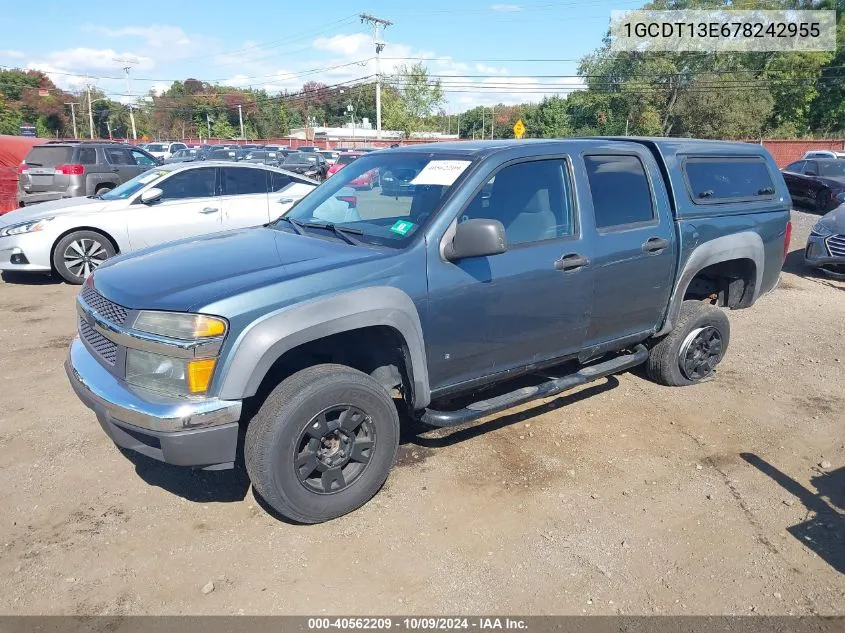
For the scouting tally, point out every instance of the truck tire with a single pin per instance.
(78, 254)
(691, 351)
(322, 444)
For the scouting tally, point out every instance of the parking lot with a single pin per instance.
(622, 497)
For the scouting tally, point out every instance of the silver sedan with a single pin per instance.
(826, 244)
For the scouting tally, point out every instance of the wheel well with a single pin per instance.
(102, 185)
(728, 284)
(82, 228)
(379, 351)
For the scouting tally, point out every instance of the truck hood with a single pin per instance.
(185, 275)
(53, 208)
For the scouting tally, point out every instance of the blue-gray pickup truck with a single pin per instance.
(464, 279)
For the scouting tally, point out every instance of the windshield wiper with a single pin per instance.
(295, 224)
(341, 232)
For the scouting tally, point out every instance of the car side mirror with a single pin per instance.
(479, 237)
(151, 195)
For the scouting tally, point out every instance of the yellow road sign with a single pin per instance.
(519, 129)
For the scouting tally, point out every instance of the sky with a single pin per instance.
(485, 52)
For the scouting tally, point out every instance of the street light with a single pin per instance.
(351, 109)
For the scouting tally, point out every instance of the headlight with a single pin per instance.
(187, 327)
(174, 376)
(25, 227)
(821, 230)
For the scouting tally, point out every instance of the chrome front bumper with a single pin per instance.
(177, 431)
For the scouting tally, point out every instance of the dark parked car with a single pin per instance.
(310, 164)
(67, 170)
(397, 182)
(309, 148)
(264, 157)
(352, 312)
(816, 182)
(223, 153)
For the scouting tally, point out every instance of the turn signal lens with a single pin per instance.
(208, 326)
(199, 374)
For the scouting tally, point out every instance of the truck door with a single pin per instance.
(634, 241)
(487, 315)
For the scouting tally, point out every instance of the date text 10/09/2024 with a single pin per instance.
(418, 623)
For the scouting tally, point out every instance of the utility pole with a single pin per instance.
(482, 123)
(129, 63)
(73, 117)
(377, 23)
(208, 123)
(492, 120)
(241, 118)
(90, 112)
(459, 126)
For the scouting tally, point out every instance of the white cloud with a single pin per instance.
(505, 8)
(490, 70)
(11, 54)
(349, 45)
(154, 35)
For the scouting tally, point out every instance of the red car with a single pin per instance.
(367, 180)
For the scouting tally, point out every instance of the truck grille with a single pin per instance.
(105, 349)
(836, 245)
(102, 306)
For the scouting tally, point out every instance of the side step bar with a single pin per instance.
(544, 390)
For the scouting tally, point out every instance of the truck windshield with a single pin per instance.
(384, 199)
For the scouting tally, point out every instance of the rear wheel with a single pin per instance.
(322, 443)
(80, 253)
(691, 351)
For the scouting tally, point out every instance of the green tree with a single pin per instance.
(221, 128)
(417, 97)
(549, 120)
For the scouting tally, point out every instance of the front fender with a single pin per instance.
(267, 339)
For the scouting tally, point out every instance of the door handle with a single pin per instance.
(284, 200)
(571, 261)
(655, 245)
(209, 210)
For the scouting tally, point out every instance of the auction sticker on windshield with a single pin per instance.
(440, 172)
(402, 227)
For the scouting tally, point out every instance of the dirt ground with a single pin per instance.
(624, 497)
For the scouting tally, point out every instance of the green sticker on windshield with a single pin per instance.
(402, 227)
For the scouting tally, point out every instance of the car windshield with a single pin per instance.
(400, 195)
(299, 158)
(155, 147)
(131, 187)
(832, 168)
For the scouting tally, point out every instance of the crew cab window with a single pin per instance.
(723, 179)
(620, 190)
(87, 156)
(531, 199)
(242, 180)
(796, 167)
(191, 183)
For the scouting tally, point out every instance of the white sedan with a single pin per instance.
(73, 236)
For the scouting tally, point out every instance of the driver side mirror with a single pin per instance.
(479, 237)
(151, 195)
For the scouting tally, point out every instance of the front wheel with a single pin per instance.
(80, 253)
(691, 351)
(322, 444)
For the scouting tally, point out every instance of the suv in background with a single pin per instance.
(165, 149)
(823, 153)
(68, 170)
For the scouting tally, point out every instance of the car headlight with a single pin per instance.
(180, 325)
(25, 227)
(176, 376)
(821, 230)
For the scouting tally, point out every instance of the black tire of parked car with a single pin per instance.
(101, 190)
(322, 443)
(90, 246)
(691, 351)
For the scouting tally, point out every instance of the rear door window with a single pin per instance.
(728, 179)
(620, 191)
(118, 156)
(796, 167)
(46, 156)
(242, 180)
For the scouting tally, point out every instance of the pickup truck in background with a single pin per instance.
(556, 262)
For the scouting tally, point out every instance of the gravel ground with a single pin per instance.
(623, 497)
